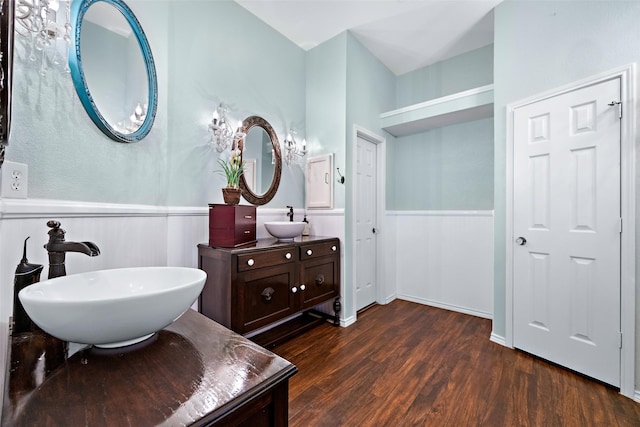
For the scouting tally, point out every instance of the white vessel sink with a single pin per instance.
(284, 230)
(112, 308)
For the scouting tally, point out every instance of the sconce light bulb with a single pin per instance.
(216, 116)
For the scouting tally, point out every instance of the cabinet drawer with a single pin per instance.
(315, 250)
(231, 225)
(266, 259)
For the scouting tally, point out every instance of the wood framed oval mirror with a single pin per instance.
(262, 159)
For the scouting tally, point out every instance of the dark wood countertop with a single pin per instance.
(193, 372)
(270, 243)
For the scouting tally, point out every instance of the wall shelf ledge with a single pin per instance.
(459, 107)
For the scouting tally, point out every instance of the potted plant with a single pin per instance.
(232, 170)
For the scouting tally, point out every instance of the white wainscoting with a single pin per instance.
(445, 259)
(127, 235)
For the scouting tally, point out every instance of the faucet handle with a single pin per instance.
(53, 224)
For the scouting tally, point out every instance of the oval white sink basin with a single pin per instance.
(284, 230)
(112, 308)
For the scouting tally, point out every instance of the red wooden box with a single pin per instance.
(231, 225)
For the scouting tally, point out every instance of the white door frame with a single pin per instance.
(627, 75)
(381, 161)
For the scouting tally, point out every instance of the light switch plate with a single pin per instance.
(14, 180)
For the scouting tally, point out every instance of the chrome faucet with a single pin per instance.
(290, 213)
(57, 248)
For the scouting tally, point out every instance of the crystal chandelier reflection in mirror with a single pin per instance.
(45, 26)
(223, 135)
(136, 119)
(293, 150)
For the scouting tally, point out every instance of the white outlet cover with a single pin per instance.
(14, 180)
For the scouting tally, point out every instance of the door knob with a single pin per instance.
(521, 241)
(373, 230)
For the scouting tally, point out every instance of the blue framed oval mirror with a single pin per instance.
(112, 69)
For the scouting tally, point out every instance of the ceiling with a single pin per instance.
(404, 34)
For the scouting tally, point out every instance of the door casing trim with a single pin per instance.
(381, 162)
(627, 76)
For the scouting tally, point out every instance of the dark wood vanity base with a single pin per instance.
(194, 372)
(257, 286)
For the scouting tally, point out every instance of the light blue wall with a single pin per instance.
(222, 53)
(467, 71)
(68, 157)
(542, 45)
(326, 90)
(447, 168)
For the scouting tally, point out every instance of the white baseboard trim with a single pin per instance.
(445, 306)
(498, 339)
(348, 321)
(636, 396)
(388, 299)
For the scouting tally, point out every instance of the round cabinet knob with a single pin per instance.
(334, 248)
(294, 289)
(250, 262)
(288, 255)
(309, 252)
(303, 287)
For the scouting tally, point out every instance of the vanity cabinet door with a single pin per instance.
(263, 296)
(319, 281)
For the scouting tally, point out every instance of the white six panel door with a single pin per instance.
(567, 208)
(365, 197)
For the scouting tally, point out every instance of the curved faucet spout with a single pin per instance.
(87, 248)
(57, 248)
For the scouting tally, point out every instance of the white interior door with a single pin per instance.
(567, 226)
(365, 212)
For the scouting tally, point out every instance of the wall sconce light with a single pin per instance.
(292, 149)
(223, 135)
(43, 23)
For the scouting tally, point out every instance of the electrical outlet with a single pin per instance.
(13, 180)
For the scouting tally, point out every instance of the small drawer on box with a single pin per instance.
(231, 225)
(268, 258)
(316, 250)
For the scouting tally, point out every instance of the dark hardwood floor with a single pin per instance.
(406, 364)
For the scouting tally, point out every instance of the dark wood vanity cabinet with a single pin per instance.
(319, 273)
(194, 372)
(253, 287)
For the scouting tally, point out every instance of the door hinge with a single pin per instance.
(620, 227)
(619, 104)
(620, 343)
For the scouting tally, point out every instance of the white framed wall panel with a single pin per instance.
(445, 259)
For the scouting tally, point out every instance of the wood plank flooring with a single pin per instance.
(406, 364)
